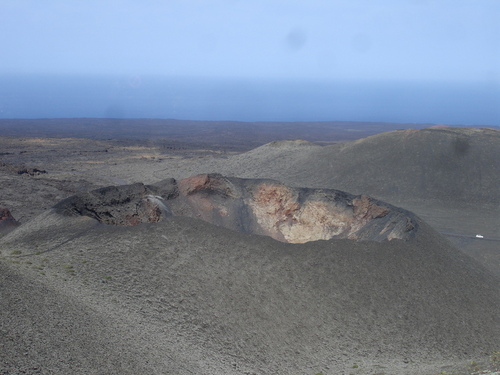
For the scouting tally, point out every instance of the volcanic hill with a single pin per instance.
(264, 207)
(452, 165)
(447, 176)
(180, 295)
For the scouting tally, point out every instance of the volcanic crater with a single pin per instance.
(258, 206)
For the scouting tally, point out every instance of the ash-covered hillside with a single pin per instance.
(185, 296)
(453, 165)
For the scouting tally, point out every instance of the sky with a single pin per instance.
(425, 40)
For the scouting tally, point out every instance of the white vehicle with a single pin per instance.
(479, 236)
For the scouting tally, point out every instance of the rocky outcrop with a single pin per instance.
(453, 166)
(31, 171)
(7, 221)
(21, 169)
(288, 214)
(120, 205)
(263, 207)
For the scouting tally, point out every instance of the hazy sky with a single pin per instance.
(353, 39)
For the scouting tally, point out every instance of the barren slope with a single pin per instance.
(446, 164)
(210, 300)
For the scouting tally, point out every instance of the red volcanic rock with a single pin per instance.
(439, 126)
(295, 215)
(263, 207)
(289, 214)
(5, 214)
(127, 205)
(364, 208)
(7, 221)
(205, 183)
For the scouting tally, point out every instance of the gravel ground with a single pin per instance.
(185, 297)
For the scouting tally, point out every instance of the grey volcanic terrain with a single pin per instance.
(135, 259)
(186, 296)
(451, 165)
